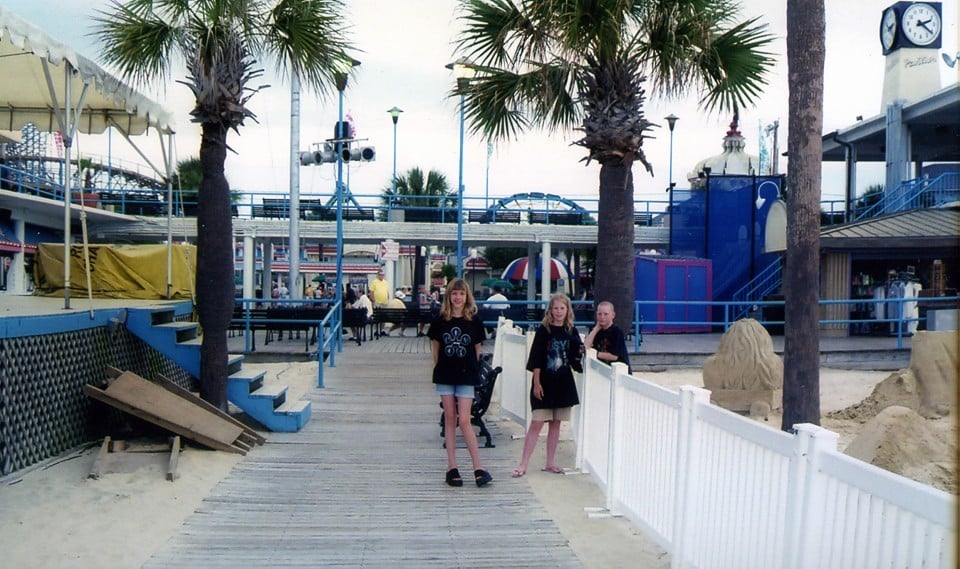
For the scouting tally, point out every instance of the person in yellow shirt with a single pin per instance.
(381, 290)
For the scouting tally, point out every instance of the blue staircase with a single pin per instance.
(766, 281)
(916, 194)
(180, 341)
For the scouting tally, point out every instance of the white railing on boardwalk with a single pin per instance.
(718, 490)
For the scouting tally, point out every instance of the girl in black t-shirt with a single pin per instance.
(554, 356)
(456, 336)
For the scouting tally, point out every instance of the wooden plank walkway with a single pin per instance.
(362, 486)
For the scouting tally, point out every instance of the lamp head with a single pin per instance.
(464, 70)
(671, 120)
(395, 113)
(344, 67)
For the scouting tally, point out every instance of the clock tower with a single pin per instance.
(910, 35)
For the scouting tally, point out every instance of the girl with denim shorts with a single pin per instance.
(456, 336)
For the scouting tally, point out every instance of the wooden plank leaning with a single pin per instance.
(250, 437)
(144, 399)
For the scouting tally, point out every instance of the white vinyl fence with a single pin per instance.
(718, 490)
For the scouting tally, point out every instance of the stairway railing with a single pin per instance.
(766, 281)
(916, 194)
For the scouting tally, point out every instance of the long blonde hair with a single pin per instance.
(568, 320)
(469, 307)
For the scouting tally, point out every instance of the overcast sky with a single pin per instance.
(404, 46)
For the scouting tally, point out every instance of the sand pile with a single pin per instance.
(910, 425)
(898, 439)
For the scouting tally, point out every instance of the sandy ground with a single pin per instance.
(55, 516)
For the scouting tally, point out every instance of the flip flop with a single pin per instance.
(518, 473)
(553, 469)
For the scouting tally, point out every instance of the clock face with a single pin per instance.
(888, 28)
(920, 24)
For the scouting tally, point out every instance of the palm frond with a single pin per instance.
(308, 39)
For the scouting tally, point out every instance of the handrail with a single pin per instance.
(760, 286)
(329, 330)
(915, 194)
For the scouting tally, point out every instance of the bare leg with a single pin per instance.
(466, 429)
(553, 437)
(529, 443)
(450, 429)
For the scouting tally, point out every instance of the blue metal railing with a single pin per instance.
(767, 281)
(329, 328)
(916, 194)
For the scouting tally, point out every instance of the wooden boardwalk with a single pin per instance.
(362, 486)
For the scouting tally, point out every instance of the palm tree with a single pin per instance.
(415, 192)
(801, 343)
(220, 43)
(583, 64)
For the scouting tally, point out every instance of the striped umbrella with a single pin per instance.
(517, 270)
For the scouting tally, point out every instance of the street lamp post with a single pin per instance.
(395, 115)
(463, 70)
(671, 122)
(341, 83)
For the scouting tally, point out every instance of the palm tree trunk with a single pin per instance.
(215, 265)
(801, 365)
(615, 268)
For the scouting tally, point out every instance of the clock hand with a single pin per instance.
(923, 24)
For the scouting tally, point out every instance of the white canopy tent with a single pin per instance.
(44, 82)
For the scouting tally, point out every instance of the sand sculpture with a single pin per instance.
(745, 375)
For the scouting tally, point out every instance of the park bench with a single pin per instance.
(430, 215)
(356, 318)
(494, 216)
(557, 218)
(409, 317)
(642, 218)
(277, 319)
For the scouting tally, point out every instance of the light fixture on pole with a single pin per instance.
(395, 115)
(339, 139)
(463, 70)
(671, 122)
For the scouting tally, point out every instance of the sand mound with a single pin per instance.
(898, 389)
(928, 386)
(898, 439)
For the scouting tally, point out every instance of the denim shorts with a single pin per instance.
(461, 391)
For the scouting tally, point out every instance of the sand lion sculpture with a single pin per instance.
(745, 375)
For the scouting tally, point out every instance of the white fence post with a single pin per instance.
(800, 522)
(614, 458)
(684, 510)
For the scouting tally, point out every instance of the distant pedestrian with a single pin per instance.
(456, 336)
(554, 356)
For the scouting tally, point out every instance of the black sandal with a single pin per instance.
(453, 477)
(483, 477)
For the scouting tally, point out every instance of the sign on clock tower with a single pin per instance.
(910, 34)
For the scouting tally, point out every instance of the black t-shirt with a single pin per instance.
(457, 362)
(613, 341)
(553, 351)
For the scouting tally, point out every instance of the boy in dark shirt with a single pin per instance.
(606, 338)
